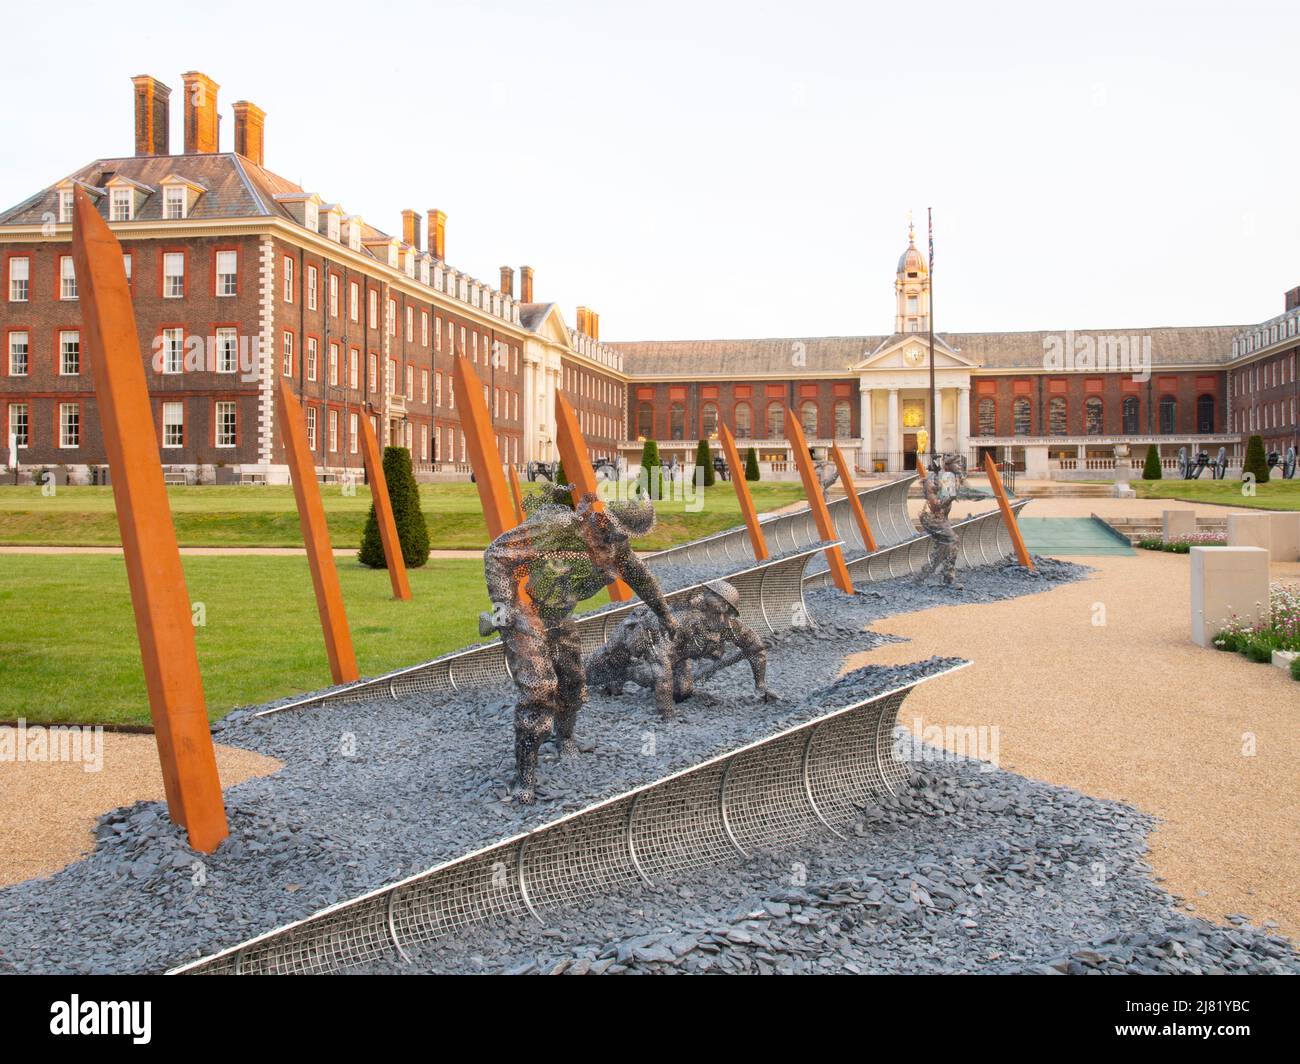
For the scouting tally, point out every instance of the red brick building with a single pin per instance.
(241, 278)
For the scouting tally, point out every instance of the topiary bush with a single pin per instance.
(704, 460)
(1151, 467)
(412, 530)
(1256, 460)
(651, 471)
(751, 464)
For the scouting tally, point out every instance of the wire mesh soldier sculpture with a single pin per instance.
(944, 485)
(568, 554)
(827, 474)
(709, 628)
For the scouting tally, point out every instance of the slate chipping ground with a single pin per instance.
(970, 871)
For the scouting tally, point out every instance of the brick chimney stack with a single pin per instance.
(437, 224)
(593, 319)
(411, 228)
(152, 127)
(201, 136)
(525, 284)
(583, 326)
(508, 281)
(250, 131)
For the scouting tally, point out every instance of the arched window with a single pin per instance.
(645, 420)
(775, 421)
(1056, 416)
(1021, 416)
(1205, 413)
(1092, 416)
(843, 420)
(1168, 414)
(1130, 410)
(744, 421)
(987, 416)
(808, 418)
(709, 419)
(677, 421)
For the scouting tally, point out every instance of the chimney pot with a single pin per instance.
(201, 136)
(250, 131)
(152, 127)
(508, 281)
(525, 284)
(437, 225)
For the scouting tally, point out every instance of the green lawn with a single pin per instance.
(230, 516)
(1277, 494)
(69, 643)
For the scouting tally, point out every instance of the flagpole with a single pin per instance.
(932, 414)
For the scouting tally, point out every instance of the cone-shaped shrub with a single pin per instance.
(412, 531)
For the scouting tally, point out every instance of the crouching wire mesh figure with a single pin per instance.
(709, 629)
(944, 485)
(566, 555)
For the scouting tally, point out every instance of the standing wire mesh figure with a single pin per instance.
(709, 628)
(827, 474)
(567, 555)
(944, 485)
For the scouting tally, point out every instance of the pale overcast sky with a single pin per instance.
(695, 170)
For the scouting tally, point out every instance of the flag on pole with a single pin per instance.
(929, 217)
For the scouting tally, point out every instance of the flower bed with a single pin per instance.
(1185, 543)
(1281, 631)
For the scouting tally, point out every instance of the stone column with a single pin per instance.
(963, 420)
(893, 445)
(530, 412)
(864, 424)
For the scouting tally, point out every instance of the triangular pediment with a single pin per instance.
(907, 351)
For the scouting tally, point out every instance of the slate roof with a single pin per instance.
(822, 355)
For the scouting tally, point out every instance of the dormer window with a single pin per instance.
(121, 205)
(311, 217)
(65, 205)
(354, 233)
(332, 225)
(410, 262)
(175, 202)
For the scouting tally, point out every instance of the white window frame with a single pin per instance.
(313, 287)
(27, 353)
(219, 410)
(173, 340)
(173, 425)
(66, 201)
(69, 417)
(23, 441)
(227, 281)
(67, 278)
(170, 289)
(288, 278)
(20, 288)
(63, 352)
(227, 343)
(176, 203)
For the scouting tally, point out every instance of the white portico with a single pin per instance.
(894, 383)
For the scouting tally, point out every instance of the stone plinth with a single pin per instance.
(1284, 537)
(1250, 530)
(1227, 581)
(1178, 524)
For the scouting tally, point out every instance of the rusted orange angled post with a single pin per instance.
(1008, 515)
(482, 451)
(315, 534)
(516, 496)
(577, 468)
(855, 504)
(757, 541)
(384, 511)
(816, 502)
(159, 597)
